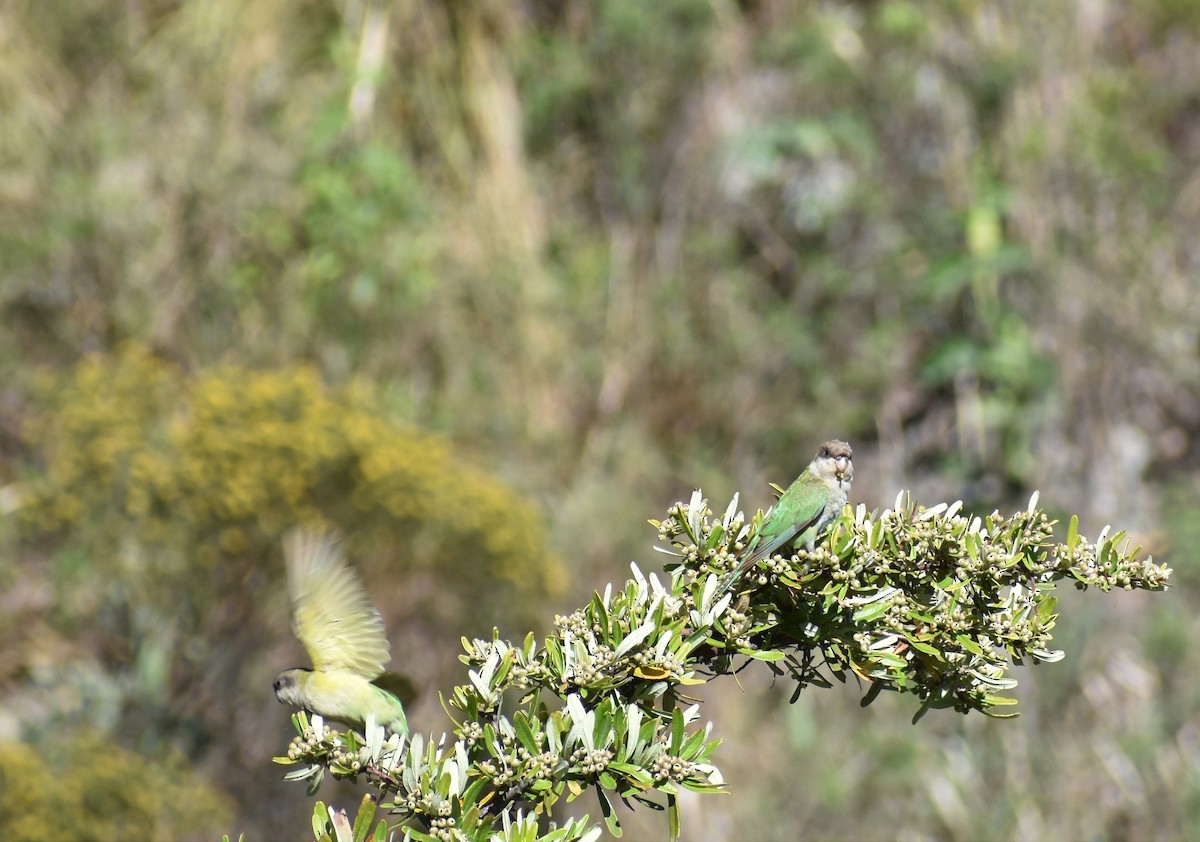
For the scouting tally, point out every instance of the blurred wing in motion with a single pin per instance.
(331, 613)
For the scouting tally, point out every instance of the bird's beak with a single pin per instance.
(843, 467)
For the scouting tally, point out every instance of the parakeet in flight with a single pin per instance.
(344, 637)
(809, 505)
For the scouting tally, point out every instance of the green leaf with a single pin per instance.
(1045, 611)
(927, 649)
(610, 815)
(676, 731)
(990, 701)
(970, 645)
(600, 613)
(872, 694)
(873, 611)
(472, 793)
(889, 659)
(320, 820)
(524, 732)
(714, 537)
(362, 822)
(764, 655)
(1073, 533)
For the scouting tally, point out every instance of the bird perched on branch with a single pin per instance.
(809, 505)
(344, 637)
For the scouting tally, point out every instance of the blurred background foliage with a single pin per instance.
(487, 284)
(47, 793)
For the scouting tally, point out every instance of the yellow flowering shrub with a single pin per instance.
(89, 788)
(210, 468)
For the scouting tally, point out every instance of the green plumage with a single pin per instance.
(809, 504)
(344, 637)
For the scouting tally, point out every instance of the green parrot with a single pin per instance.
(808, 506)
(344, 637)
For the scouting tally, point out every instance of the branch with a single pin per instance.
(923, 601)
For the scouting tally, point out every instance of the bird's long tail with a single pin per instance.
(745, 564)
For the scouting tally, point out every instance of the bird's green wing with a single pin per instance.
(331, 613)
(797, 510)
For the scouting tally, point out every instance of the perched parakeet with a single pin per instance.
(809, 505)
(344, 636)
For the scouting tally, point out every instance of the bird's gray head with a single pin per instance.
(835, 461)
(288, 684)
